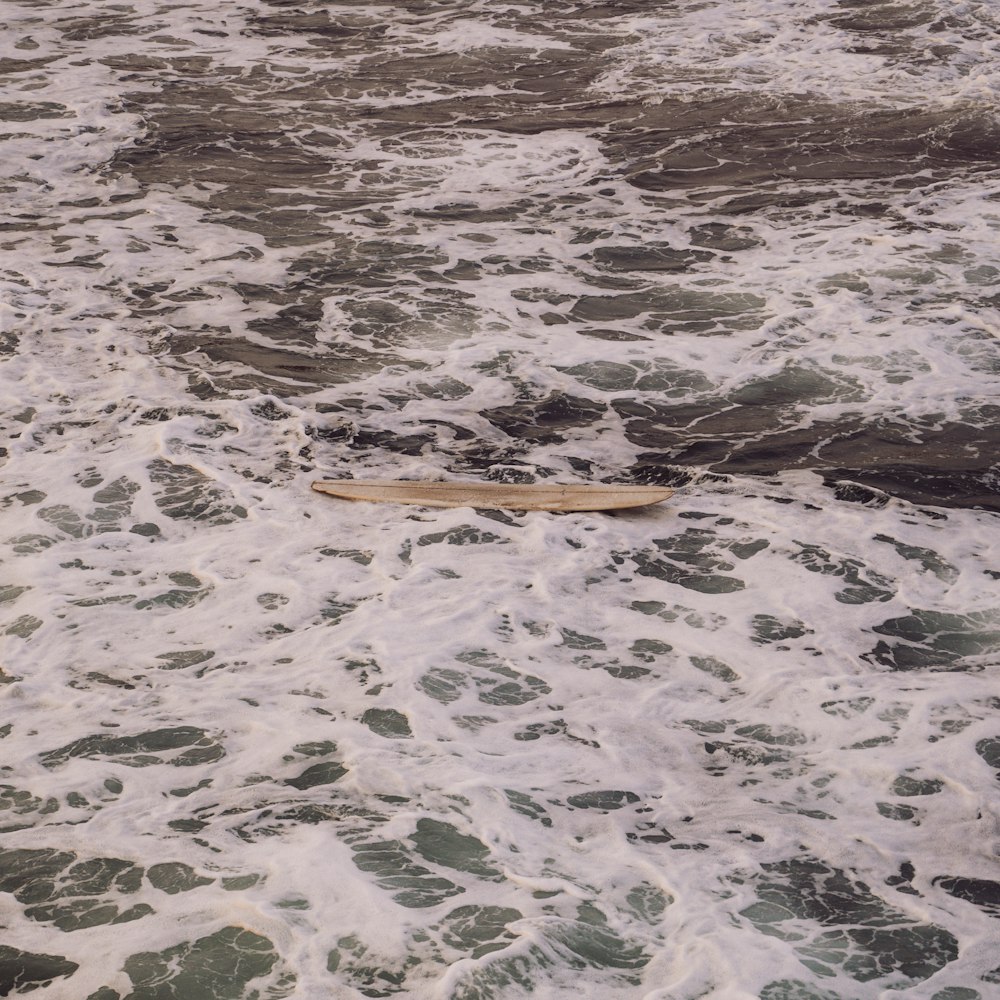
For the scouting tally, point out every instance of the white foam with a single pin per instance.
(308, 613)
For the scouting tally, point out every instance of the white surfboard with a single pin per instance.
(509, 496)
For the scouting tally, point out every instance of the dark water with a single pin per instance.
(673, 213)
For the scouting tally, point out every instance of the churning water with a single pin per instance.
(260, 743)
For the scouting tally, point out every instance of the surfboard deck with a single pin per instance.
(507, 496)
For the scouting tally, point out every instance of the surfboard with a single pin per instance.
(509, 496)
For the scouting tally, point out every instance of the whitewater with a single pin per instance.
(263, 743)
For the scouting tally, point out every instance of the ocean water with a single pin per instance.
(261, 743)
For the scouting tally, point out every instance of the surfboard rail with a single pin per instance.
(505, 496)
